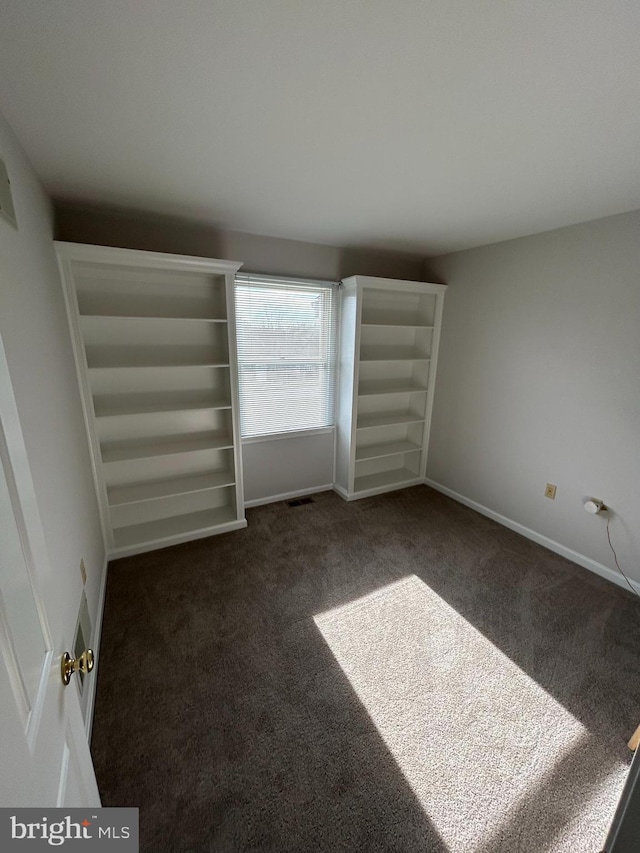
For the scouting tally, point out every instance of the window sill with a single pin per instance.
(278, 436)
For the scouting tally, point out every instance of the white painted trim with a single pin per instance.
(356, 386)
(138, 257)
(277, 436)
(336, 375)
(343, 493)
(391, 283)
(286, 496)
(95, 645)
(575, 557)
(378, 490)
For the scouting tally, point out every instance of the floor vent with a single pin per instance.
(300, 502)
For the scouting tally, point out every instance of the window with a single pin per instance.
(286, 354)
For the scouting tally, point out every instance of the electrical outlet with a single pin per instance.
(550, 491)
(83, 572)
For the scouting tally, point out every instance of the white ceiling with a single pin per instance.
(422, 126)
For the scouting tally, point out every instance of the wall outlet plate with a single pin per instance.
(550, 491)
(6, 201)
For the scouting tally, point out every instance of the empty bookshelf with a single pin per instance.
(389, 337)
(154, 341)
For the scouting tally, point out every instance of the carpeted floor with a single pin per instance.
(394, 674)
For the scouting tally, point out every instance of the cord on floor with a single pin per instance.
(615, 557)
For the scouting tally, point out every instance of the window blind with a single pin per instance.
(286, 334)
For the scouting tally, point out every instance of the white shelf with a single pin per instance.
(388, 448)
(382, 353)
(120, 451)
(395, 326)
(397, 303)
(119, 495)
(150, 369)
(100, 374)
(374, 387)
(377, 419)
(146, 285)
(126, 358)
(166, 528)
(385, 479)
(142, 318)
(124, 405)
(153, 342)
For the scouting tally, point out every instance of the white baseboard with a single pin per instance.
(379, 490)
(552, 545)
(287, 496)
(92, 682)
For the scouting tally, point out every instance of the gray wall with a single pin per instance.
(272, 467)
(269, 255)
(539, 381)
(35, 334)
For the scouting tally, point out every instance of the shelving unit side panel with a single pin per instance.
(65, 267)
(235, 396)
(347, 385)
(433, 367)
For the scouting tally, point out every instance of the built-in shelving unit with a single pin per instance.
(154, 340)
(388, 355)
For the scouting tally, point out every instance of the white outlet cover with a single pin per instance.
(6, 201)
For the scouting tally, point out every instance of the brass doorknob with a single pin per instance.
(70, 665)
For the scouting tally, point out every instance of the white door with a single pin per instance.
(44, 754)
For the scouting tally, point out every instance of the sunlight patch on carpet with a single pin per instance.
(488, 752)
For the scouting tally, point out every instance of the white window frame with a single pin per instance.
(294, 283)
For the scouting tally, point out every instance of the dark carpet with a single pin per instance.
(394, 674)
